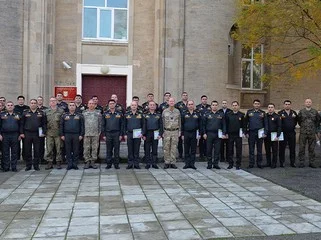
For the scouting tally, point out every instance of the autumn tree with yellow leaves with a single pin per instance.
(290, 31)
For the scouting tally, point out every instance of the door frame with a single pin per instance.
(98, 69)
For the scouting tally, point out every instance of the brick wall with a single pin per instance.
(11, 42)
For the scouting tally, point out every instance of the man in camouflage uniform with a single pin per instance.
(92, 119)
(309, 120)
(172, 130)
(53, 142)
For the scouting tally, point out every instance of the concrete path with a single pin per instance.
(150, 204)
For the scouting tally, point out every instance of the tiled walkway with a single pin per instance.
(150, 204)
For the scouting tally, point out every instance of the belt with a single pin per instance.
(171, 130)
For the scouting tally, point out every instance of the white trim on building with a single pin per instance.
(97, 69)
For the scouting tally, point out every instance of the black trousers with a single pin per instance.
(1, 155)
(32, 139)
(81, 150)
(190, 144)
(224, 150)
(202, 146)
(234, 140)
(180, 147)
(72, 149)
(289, 139)
(255, 140)
(271, 148)
(151, 148)
(10, 143)
(213, 141)
(112, 146)
(133, 145)
(41, 149)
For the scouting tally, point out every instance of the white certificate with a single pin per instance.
(40, 131)
(156, 134)
(274, 136)
(137, 133)
(220, 133)
(261, 132)
(241, 132)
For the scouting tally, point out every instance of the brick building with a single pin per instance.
(133, 47)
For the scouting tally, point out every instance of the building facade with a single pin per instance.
(133, 47)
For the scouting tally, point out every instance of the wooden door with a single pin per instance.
(104, 87)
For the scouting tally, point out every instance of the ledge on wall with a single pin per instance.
(103, 43)
(233, 86)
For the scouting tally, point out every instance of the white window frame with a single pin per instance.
(252, 60)
(98, 23)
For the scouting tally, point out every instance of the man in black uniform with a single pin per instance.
(42, 140)
(9, 136)
(139, 108)
(289, 120)
(152, 132)
(224, 142)
(40, 103)
(19, 108)
(150, 98)
(118, 106)
(213, 123)
(255, 120)
(182, 107)
(112, 130)
(234, 129)
(164, 105)
(72, 130)
(3, 101)
(61, 104)
(2, 109)
(191, 124)
(133, 133)
(202, 108)
(80, 107)
(274, 126)
(32, 127)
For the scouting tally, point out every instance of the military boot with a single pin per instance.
(58, 164)
(87, 165)
(49, 166)
(93, 165)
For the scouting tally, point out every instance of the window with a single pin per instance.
(105, 19)
(251, 71)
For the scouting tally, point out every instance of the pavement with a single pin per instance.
(157, 204)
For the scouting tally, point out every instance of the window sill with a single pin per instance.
(103, 42)
(233, 86)
(253, 90)
(244, 90)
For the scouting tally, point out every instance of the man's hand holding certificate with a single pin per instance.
(137, 133)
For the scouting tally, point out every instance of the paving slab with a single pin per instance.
(152, 204)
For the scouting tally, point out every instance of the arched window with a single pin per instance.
(251, 70)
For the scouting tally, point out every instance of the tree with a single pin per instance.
(290, 31)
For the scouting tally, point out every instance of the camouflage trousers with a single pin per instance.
(170, 143)
(52, 144)
(91, 144)
(303, 140)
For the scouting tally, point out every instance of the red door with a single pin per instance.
(104, 87)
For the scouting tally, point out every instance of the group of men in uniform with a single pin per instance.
(73, 130)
